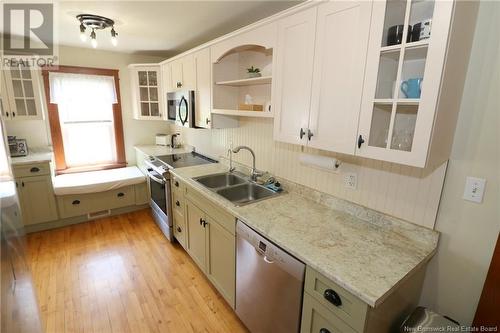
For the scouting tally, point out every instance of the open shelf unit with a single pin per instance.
(242, 113)
(232, 86)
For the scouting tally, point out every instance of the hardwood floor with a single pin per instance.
(120, 274)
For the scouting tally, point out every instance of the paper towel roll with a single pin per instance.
(323, 162)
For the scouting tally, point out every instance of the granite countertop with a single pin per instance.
(156, 150)
(35, 155)
(367, 258)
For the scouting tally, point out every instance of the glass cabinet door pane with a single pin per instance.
(421, 13)
(379, 129)
(394, 22)
(387, 74)
(155, 110)
(144, 94)
(143, 78)
(18, 89)
(31, 107)
(404, 127)
(145, 109)
(28, 88)
(412, 73)
(152, 78)
(15, 73)
(26, 74)
(20, 107)
(153, 94)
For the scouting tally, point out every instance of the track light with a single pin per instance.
(114, 36)
(93, 40)
(83, 36)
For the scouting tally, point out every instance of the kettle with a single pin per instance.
(173, 140)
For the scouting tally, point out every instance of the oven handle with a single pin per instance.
(156, 179)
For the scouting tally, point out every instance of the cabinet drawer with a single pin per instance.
(178, 202)
(180, 228)
(349, 308)
(27, 170)
(120, 197)
(75, 205)
(218, 214)
(318, 319)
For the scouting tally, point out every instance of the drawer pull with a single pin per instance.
(324, 330)
(76, 202)
(121, 194)
(177, 203)
(35, 169)
(179, 229)
(332, 297)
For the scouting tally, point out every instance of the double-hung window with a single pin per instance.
(85, 118)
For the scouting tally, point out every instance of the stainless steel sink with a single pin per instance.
(220, 180)
(245, 193)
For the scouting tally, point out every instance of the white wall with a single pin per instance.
(469, 231)
(135, 131)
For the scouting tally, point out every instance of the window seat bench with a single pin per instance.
(97, 193)
(97, 181)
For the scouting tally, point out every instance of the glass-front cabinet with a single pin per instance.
(21, 94)
(146, 91)
(403, 76)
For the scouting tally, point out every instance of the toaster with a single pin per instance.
(162, 139)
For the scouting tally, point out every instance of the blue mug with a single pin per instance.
(412, 88)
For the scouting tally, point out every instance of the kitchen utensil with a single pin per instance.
(395, 34)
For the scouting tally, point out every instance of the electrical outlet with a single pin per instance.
(474, 189)
(351, 180)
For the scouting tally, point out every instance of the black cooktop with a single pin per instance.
(184, 160)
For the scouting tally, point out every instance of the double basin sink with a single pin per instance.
(235, 188)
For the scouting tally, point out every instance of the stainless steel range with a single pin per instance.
(159, 184)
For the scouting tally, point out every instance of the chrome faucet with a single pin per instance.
(231, 168)
(255, 173)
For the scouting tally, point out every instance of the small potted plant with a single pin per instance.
(253, 72)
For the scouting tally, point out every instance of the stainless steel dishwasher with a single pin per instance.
(269, 284)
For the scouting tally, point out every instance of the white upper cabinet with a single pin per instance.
(183, 73)
(408, 76)
(293, 76)
(22, 94)
(203, 88)
(342, 33)
(146, 90)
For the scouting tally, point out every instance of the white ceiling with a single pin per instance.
(162, 28)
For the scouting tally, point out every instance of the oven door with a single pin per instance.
(158, 184)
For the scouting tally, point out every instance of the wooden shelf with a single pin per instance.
(241, 113)
(411, 45)
(246, 82)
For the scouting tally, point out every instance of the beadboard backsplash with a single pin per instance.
(408, 193)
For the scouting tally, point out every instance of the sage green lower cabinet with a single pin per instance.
(211, 245)
(345, 313)
(38, 203)
(196, 234)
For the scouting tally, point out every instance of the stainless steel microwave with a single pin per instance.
(180, 107)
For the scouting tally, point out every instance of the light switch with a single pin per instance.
(474, 189)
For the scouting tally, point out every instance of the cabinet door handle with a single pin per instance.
(324, 330)
(201, 221)
(207, 121)
(179, 229)
(76, 202)
(177, 203)
(121, 194)
(179, 84)
(13, 114)
(35, 169)
(204, 223)
(331, 296)
(309, 134)
(17, 185)
(7, 114)
(22, 184)
(302, 133)
(176, 184)
(360, 141)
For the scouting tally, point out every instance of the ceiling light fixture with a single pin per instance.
(96, 22)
